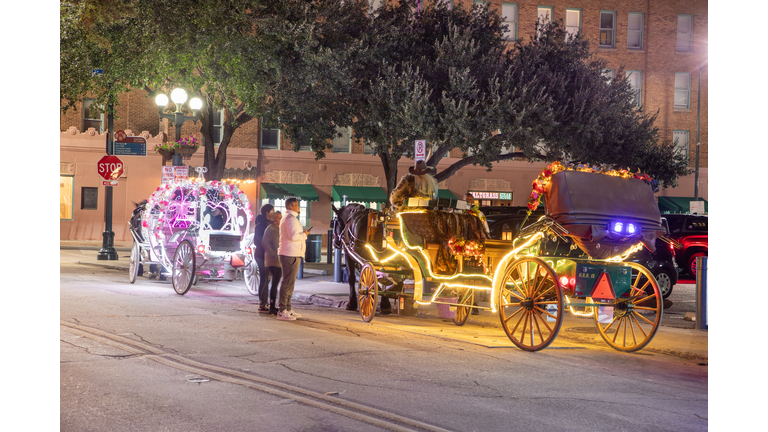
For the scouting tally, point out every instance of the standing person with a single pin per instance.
(293, 245)
(262, 222)
(271, 242)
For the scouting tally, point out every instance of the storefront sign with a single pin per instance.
(492, 195)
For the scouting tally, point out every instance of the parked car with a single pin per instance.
(660, 262)
(691, 231)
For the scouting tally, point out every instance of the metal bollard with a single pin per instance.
(300, 274)
(337, 266)
(701, 293)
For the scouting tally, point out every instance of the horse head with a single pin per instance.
(343, 217)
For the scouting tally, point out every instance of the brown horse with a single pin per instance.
(350, 229)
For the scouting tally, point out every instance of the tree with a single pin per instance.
(211, 48)
(447, 76)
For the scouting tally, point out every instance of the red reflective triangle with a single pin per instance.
(603, 289)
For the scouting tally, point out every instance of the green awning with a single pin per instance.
(285, 190)
(359, 194)
(678, 204)
(446, 194)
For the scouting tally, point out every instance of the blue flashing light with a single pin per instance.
(630, 228)
(618, 227)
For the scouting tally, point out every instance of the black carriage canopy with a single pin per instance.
(284, 190)
(589, 205)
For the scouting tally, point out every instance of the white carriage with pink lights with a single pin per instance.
(193, 230)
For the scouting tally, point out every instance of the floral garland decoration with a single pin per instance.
(471, 249)
(534, 199)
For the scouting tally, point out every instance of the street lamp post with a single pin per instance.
(178, 96)
(698, 143)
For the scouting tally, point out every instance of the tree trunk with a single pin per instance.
(390, 174)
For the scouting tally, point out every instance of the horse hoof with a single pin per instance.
(386, 311)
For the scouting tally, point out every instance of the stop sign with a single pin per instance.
(110, 167)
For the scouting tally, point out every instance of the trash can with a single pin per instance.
(314, 248)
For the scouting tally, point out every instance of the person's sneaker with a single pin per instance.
(285, 316)
(273, 311)
(294, 314)
(263, 309)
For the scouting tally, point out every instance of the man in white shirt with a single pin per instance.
(292, 247)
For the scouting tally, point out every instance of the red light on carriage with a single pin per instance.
(248, 250)
(201, 248)
(572, 281)
(564, 281)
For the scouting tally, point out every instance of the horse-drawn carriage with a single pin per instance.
(571, 258)
(192, 229)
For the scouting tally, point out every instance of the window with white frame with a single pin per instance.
(270, 136)
(342, 144)
(92, 116)
(573, 21)
(635, 79)
(218, 127)
(609, 74)
(680, 138)
(607, 29)
(509, 15)
(682, 90)
(279, 205)
(544, 15)
(684, 33)
(635, 31)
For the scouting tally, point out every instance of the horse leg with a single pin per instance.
(352, 304)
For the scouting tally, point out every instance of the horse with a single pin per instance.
(350, 230)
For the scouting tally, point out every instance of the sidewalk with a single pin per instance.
(317, 288)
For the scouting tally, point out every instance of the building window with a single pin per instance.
(218, 127)
(544, 15)
(66, 197)
(375, 4)
(635, 31)
(635, 79)
(509, 15)
(609, 74)
(270, 136)
(684, 33)
(342, 144)
(607, 29)
(92, 116)
(89, 198)
(573, 21)
(680, 138)
(682, 90)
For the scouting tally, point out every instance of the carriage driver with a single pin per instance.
(419, 183)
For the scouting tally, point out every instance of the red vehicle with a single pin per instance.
(691, 231)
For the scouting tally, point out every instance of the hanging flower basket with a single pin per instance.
(186, 147)
(167, 154)
(186, 152)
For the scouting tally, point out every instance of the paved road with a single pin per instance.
(140, 357)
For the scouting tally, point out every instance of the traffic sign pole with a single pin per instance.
(108, 251)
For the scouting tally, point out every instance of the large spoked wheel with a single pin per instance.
(635, 318)
(466, 297)
(183, 267)
(367, 292)
(251, 274)
(530, 303)
(135, 265)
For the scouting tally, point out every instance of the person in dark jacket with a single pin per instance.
(270, 242)
(262, 222)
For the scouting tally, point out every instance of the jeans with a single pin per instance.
(275, 273)
(263, 279)
(290, 267)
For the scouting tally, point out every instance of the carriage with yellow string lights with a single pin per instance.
(571, 260)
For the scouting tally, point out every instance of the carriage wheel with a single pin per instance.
(251, 275)
(367, 292)
(135, 265)
(635, 319)
(183, 267)
(528, 289)
(466, 297)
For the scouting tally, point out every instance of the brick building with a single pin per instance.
(661, 44)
